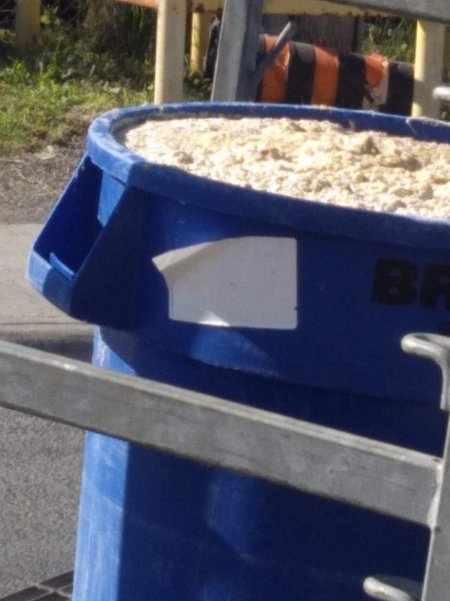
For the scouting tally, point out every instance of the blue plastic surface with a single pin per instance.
(120, 210)
(155, 527)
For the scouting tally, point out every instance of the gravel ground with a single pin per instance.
(40, 461)
(32, 181)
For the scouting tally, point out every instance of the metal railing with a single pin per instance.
(384, 478)
(237, 66)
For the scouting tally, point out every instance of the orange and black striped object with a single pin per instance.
(306, 74)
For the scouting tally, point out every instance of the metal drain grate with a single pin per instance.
(54, 589)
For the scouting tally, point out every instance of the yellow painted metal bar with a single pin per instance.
(199, 39)
(280, 7)
(144, 3)
(28, 17)
(315, 7)
(428, 67)
(447, 55)
(429, 59)
(169, 63)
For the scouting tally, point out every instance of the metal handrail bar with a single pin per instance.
(366, 473)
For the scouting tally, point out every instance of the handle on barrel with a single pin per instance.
(82, 265)
(437, 348)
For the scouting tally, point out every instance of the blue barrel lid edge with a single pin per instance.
(113, 158)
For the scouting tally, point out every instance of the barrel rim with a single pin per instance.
(135, 171)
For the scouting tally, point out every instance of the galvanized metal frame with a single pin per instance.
(238, 50)
(442, 93)
(430, 10)
(238, 71)
(352, 469)
(236, 67)
(207, 429)
(432, 14)
(437, 576)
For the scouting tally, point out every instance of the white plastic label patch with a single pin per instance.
(237, 282)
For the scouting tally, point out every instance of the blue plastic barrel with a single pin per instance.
(126, 248)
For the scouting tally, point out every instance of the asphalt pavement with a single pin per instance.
(40, 461)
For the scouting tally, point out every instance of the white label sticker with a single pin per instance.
(237, 282)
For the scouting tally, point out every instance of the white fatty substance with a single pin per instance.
(307, 159)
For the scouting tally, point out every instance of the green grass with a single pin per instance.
(40, 111)
(106, 61)
(55, 91)
(391, 38)
(46, 98)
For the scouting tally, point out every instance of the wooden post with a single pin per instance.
(447, 55)
(199, 39)
(170, 39)
(428, 67)
(28, 17)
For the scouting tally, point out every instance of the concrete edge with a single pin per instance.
(53, 589)
(74, 341)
